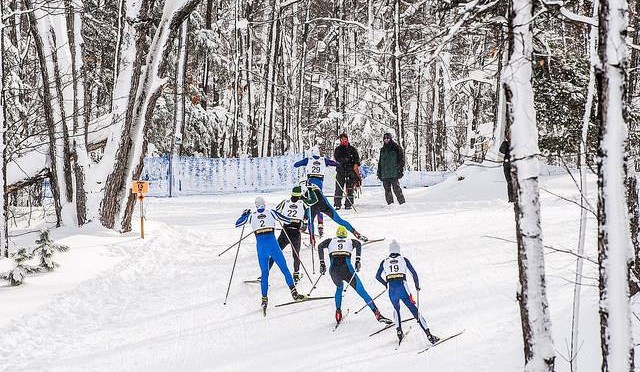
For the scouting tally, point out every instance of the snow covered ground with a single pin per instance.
(119, 303)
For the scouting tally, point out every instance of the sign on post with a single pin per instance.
(140, 188)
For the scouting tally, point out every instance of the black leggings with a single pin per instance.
(346, 182)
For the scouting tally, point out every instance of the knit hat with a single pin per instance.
(314, 151)
(296, 191)
(260, 203)
(387, 135)
(394, 247)
(341, 232)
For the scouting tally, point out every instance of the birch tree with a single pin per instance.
(117, 205)
(4, 230)
(614, 241)
(521, 119)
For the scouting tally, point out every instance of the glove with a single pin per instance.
(323, 268)
(246, 212)
(303, 226)
(358, 265)
(400, 173)
(417, 288)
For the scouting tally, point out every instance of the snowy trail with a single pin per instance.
(161, 308)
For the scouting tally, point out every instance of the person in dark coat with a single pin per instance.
(391, 168)
(505, 148)
(347, 172)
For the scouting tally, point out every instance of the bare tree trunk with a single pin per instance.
(301, 81)
(80, 157)
(396, 76)
(532, 298)
(4, 230)
(614, 241)
(48, 95)
(179, 108)
(582, 156)
(634, 219)
(271, 84)
(236, 77)
(417, 125)
(117, 209)
(251, 118)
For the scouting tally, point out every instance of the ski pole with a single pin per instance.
(349, 284)
(293, 248)
(233, 269)
(234, 244)
(346, 195)
(373, 299)
(314, 284)
(312, 240)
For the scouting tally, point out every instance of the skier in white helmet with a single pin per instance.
(395, 269)
(263, 222)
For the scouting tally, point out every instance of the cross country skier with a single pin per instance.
(340, 269)
(318, 203)
(316, 166)
(293, 208)
(395, 269)
(263, 223)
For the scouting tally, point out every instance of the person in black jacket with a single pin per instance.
(347, 172)
(391, 168)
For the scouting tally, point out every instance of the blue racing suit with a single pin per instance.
(340, 267)
(263, 224)
(318, 203)
(395, 269)
(316, 179)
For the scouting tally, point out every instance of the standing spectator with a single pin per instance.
(505, 148)
(347, 172)
(391, 168)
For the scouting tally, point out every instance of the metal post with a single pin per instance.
(141, 198)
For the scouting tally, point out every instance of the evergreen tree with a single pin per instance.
(16, 275)
(45, 247)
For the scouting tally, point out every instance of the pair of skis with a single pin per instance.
(305, 299)
(347, 313)
(363, 244)
(441, 341)
(444, 339)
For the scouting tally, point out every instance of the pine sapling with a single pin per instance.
(17, 274)
(45, 247)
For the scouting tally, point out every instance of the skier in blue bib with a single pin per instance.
(315, 166)
(341, 270)
(263, 223)
(395, 269)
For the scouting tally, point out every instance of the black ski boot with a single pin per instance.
(432, 338)
(265, 300)
(294, 293)
(360, 236)
(380, 317)
(296, 277)
(400, 334)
